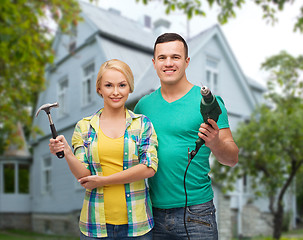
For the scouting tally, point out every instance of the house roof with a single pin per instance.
(118, 27)
(16, 152)
(125, 39)
(201, 39)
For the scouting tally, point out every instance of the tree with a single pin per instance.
(228, 8)
(25, 50)
(271, 143)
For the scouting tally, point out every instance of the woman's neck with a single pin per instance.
(110, 113)
(112, 122)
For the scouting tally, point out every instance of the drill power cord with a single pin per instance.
(190, 157)
(184, 182)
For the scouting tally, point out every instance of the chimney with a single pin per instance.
(145, 21)
(161, 26)
(114, 11)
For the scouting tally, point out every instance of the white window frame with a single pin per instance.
(87, 83)
(62, 97)
(46, 187)
(212, 74)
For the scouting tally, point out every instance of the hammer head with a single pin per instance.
(46, 107)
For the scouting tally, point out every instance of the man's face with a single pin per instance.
(170, 62)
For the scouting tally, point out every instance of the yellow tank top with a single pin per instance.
(111, 159)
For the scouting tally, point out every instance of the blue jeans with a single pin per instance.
(115, 232)
(200, 222)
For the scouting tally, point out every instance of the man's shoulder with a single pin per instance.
(150, 97)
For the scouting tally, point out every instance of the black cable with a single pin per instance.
(190, 157)
(184, 217)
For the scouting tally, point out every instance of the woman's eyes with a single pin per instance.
(120, 85)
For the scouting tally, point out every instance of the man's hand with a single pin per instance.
(209, 133)
(220, 142)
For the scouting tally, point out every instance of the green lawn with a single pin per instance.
(291, 235)
(25, 235)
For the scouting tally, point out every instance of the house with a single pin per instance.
(55, 195)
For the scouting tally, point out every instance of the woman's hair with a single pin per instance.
(117, 65)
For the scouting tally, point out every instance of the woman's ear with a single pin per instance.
(99, 92)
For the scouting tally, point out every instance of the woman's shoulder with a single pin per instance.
(138, 116)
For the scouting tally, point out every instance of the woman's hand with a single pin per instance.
(91, 182)
(57, 145)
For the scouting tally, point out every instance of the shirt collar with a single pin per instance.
(94, 119)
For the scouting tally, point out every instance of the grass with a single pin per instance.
(291, 235)
(25, 235)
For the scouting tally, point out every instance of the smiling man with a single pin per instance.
(174, 110)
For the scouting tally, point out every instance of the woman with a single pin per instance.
(114, 151)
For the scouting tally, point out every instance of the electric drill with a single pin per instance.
(210, 109)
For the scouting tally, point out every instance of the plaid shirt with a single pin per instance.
(140, 143)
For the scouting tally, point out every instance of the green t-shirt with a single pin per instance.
(177, 125)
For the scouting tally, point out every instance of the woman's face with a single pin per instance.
(114, 89)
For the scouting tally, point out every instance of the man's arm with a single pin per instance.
(220, 142)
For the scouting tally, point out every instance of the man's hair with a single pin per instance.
(170, 37)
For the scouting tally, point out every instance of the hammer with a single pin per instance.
(46, 107)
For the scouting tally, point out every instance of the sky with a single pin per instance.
(251, 39)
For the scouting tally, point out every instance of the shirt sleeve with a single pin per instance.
(78, 146)
(223, 118)
(148, 144)
(137, 108)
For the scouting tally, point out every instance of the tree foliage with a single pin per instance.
(271, 142)
(228, 9)
(25, 50)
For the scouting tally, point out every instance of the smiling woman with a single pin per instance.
(114, 152)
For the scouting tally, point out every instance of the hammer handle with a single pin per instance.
(54, 133)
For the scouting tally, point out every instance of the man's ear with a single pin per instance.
(154, 62)
(187, 60)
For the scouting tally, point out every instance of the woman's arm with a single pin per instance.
(132, 174)
(76, 167)
(147, 167)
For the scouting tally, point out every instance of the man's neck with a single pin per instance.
(173, 92)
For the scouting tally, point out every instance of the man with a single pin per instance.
(174, 110)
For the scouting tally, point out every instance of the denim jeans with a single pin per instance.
(200, 222)
(118, 232)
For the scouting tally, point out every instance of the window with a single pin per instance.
(62, 97)
(9, 177)
(212, 74)
(46, 175)
(23, 178)
(15, 178)
(88, 79)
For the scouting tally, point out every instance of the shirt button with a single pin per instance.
(125, 153)
(127, 195)
(125, 167)
(130, 211)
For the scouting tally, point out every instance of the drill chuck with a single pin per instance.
(205, 91)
